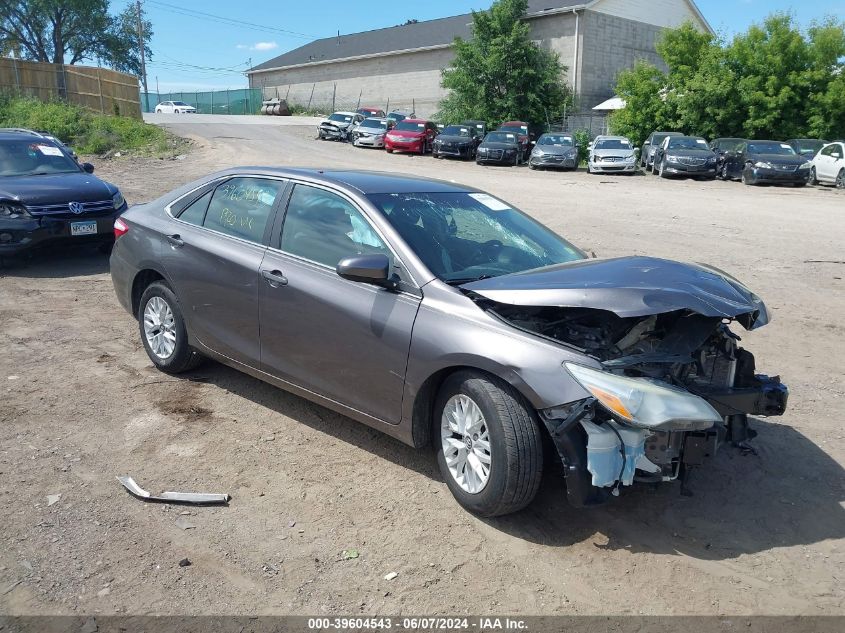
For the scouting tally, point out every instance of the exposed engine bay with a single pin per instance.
(696, 353)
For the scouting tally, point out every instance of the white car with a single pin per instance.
(175, 107)
(611, 154)
(371, 132)
(829, 165)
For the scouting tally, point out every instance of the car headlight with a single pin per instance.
(12, 211)
(118, 200)
(711, 160)
(509, 152)
(644, 402)
(630, 157)
(538, 152)
(806, 165)
(671, 159)
(763, 165)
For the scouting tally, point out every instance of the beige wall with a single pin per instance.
(405, 80)
(665, 13)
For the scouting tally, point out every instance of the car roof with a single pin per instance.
(603, 137)
(345, 113)
(15, 133)
(381, 119)
(359, 181)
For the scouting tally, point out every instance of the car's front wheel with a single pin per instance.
(840, 179)
(814, 180)
(489, 445)
(163, 330)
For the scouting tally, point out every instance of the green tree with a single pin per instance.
(500, 74)
(71, 31)
(772, 81)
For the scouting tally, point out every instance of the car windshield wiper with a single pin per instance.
(466, 280)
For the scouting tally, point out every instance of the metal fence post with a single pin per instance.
(334, 93)
(311, 97)
(100, 90)
(228, 103)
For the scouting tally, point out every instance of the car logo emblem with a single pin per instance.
(76, 207)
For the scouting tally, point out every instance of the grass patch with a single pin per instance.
(87, 132)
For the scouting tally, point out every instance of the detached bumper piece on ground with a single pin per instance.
(194, 498)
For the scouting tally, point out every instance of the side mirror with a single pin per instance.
(368, 269)
(88, 168)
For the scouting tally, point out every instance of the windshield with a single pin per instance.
(396, 116)
(549, 139)
(500, 137)
(519, 129)
(730, 144)
(180, 103)
(374, 123)
(658, 139)
(613, 143)
(456, 130)
(810, 145)
(409, 126)
(780, 149)
(465, 236)
(343, 118)
(687, 142)
(28, 158)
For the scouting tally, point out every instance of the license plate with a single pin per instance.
(83, 228)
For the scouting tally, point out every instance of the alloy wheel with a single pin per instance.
(840, 180)
(466, 443)
(160, 328)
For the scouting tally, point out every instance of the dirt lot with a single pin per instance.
(82, 404)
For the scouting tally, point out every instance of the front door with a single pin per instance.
(344, 340)
(214, 256)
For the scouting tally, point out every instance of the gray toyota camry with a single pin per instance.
(443, 316)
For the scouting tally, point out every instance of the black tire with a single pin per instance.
(530, 166)
(184, 357)
(516, 447)
(813, 177)
(662, 172)
(840, 179)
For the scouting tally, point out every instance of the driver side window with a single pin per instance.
(323, 227)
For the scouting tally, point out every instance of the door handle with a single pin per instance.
(275, 278)
(175, 241)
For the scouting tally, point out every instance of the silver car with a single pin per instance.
(442, 315)
(611, 154)
(371, 132)
(554, 150)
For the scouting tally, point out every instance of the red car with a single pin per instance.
(371, 112)
(520, 128)
(411, 135)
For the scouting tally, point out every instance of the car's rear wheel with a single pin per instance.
(489, 445)
(840, 179)
(163, 330)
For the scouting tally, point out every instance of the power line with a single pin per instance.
(230, 21)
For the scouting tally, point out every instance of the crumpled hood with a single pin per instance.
(55, 188)
(629, 287)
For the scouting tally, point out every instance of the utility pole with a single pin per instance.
(141, 46)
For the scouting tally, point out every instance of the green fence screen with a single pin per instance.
(242, 101)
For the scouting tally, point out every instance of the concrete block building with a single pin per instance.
(400, 66)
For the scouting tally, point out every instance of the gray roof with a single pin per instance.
(438, 32)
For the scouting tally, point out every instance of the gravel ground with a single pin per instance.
(82, 404)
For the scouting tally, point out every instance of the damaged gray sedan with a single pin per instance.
(444, 316)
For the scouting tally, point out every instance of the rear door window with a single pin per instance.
(242, 207)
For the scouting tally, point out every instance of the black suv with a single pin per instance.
(46, 195)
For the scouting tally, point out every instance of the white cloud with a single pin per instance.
(258, 46)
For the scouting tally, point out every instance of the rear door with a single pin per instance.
(213, 257)
(344, 340)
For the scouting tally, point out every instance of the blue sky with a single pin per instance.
(194, 53)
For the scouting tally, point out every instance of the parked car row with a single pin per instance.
(512, 143)
(797, 162)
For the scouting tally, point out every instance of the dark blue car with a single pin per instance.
(47, 196)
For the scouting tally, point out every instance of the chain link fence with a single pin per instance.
(241, 101)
